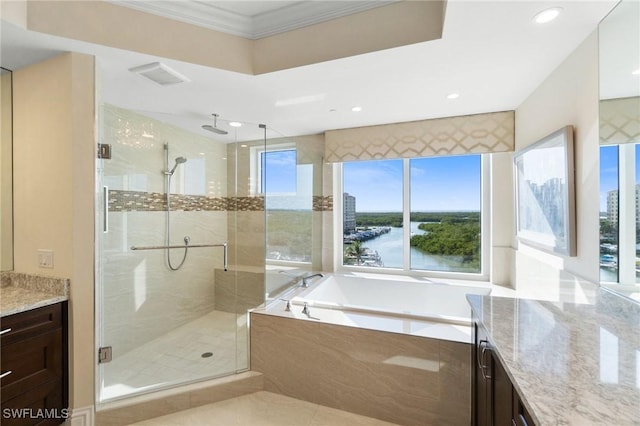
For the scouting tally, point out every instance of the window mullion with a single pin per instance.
(626, 215)
(406, 214)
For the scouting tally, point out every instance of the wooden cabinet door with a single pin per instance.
(502, 395)
(482, 391)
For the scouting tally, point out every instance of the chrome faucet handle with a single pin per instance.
(288, 307)
(305, 309)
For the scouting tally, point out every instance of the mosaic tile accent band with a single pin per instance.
(619, 120)
(140, 201)
(480, 133)
(128, 201)
(322, 203)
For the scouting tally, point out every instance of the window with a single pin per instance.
(287, 188)
(441, 199)
(280, 166)
(620, 214)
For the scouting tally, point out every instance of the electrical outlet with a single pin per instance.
(45, 258)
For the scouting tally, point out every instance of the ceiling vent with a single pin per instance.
(160, 73)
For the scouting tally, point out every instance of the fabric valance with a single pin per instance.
(620, 121)
(479, 133)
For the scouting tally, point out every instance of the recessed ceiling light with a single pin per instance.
(244, 145)
(547, 15)
(453, 96)
(636, 72)
(356, 109)
(235, 124)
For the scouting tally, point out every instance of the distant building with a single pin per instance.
(613, 206)
(349, 213)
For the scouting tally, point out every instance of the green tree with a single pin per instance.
(453, 237)
(356, 250)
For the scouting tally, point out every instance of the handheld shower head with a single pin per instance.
(179, 160)
(214, 128)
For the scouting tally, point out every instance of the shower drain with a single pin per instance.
(207, 354)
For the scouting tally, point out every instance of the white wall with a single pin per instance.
(568, 96)
(6, 175)
(54, 169)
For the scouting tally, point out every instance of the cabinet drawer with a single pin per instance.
(35, 407)
(30, 323)
(32, 362)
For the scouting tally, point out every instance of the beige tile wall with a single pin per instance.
(398, 378)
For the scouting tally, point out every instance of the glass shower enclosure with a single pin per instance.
(181, 251)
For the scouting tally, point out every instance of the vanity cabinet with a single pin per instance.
(34, 383)
(495, 400)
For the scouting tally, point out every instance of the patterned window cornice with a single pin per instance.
(620, 121)
(479, 133)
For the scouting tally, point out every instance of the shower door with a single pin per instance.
(160, 324)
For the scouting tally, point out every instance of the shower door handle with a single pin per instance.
(105, 209)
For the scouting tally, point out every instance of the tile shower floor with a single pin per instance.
(205, 347)
(263, 409)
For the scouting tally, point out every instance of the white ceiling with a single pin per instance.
(491, 53)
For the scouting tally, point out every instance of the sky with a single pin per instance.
(609, 171)
(437, 184)
(280, 171)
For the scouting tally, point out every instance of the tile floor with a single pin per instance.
(263, 409)
(176, 357)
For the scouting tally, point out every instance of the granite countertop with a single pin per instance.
(22, 292)
(572, 364)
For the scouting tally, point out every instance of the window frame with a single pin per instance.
(256, 166)
(627, 280)
(485, 220)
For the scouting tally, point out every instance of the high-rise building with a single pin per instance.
(349, 213)
(613, 206)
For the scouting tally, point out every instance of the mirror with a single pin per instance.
(619, 59)
(6, 171)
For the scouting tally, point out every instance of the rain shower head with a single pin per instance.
(214, 128)
(179, 160)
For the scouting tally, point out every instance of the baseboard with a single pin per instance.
(81, 417)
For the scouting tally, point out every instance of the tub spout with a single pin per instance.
(305, 280)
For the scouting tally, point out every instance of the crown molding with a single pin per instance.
(305, 13)
(206, 14)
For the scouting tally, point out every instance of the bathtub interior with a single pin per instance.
(421, 298)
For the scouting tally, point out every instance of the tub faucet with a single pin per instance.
(305, 280)
(305, 310)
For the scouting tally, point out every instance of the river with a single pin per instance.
(389, 247)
